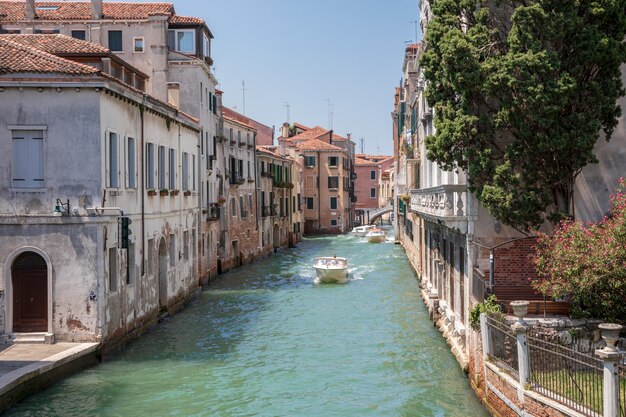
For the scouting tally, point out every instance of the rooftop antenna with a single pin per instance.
(288, 107)
(330, 114)
(415, 22)
(243, 90)
(362, 145)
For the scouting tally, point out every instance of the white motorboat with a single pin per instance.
(331, 269)
(376, 235)
(362, 230)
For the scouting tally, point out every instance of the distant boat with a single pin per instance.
(376, 235)
(331, 269)
(362, 230)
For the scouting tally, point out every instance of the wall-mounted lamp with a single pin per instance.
(61, 208)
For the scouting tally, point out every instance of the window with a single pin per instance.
(333, 161)
(113, 171)
(131, 163)
(112, 269)
(333, 183)
(233, 207)
(172, 249)
(372, 192)
(150, 166)
(28, 159)
(182, 40)
(132, 270)
(333, 222)
(161, 169)
(172, 170)
(186, 244)
(78, 34)
(333, 203)
(206, 45)
(115, 40)
(138, 45)
(150, 250)
(241, 208)
(309, 203)
(185, 171)
(309, 161)
(372, 175)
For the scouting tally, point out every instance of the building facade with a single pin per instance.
(71, 270)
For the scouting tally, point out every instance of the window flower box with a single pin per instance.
(187, 193)
(173, 192)
(163, 192)
(152, 193)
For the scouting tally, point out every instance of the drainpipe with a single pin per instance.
(143, 191)
(256, 183)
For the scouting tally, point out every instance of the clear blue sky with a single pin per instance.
(306, 52)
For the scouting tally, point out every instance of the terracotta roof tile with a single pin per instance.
(364, 162)
(16, 57)
(316, 145)
(182, 20)
(70, 10)
(58, 44)
(312, 133)
(270, 151)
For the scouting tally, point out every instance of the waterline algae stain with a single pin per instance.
(266, 341)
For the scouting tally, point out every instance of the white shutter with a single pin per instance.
(28, 159)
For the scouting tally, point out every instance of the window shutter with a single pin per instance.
(20, 161)
(36, 158)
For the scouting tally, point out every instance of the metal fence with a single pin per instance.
(621, 378)
(503, 349)
(571, 378)
(480, 287)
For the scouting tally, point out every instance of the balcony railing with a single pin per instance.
(444, 202)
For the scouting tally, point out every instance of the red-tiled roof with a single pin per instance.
(58, 44)
(70, 10)
(316, 145)
(16, 57)
(364, 162)
(270, 151)
(185, 20)
(312, 133)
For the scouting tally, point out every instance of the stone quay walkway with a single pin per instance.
(26, 368)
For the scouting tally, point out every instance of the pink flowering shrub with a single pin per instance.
(587, 264)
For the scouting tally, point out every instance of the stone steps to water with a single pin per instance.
(36, 338)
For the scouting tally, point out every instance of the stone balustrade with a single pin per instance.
(444, 201)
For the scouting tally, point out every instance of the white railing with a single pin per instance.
(443, 201)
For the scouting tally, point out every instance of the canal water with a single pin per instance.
(265, 340)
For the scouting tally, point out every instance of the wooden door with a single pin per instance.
(30, 293)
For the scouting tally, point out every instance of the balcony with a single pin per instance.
(447, 203)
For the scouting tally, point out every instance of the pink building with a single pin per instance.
(368, 169)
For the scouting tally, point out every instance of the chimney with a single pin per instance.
(173, 94)
(285, 131)
(30, 9)
(96, 9)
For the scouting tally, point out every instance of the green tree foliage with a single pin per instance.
(521, 91)
(587, 264)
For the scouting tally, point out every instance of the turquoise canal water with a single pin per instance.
(265, 340)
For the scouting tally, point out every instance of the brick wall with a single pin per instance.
(513, 263)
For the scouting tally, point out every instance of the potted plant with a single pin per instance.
(250, 179)
(221, 201)
(152, 192)
(163, 192)
(173, 192)
(187, 193)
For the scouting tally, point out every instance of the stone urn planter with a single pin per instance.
(610, 334)
(520, 309)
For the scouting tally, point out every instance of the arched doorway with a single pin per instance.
(29, 278)
(276, 237)
(162, 275)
